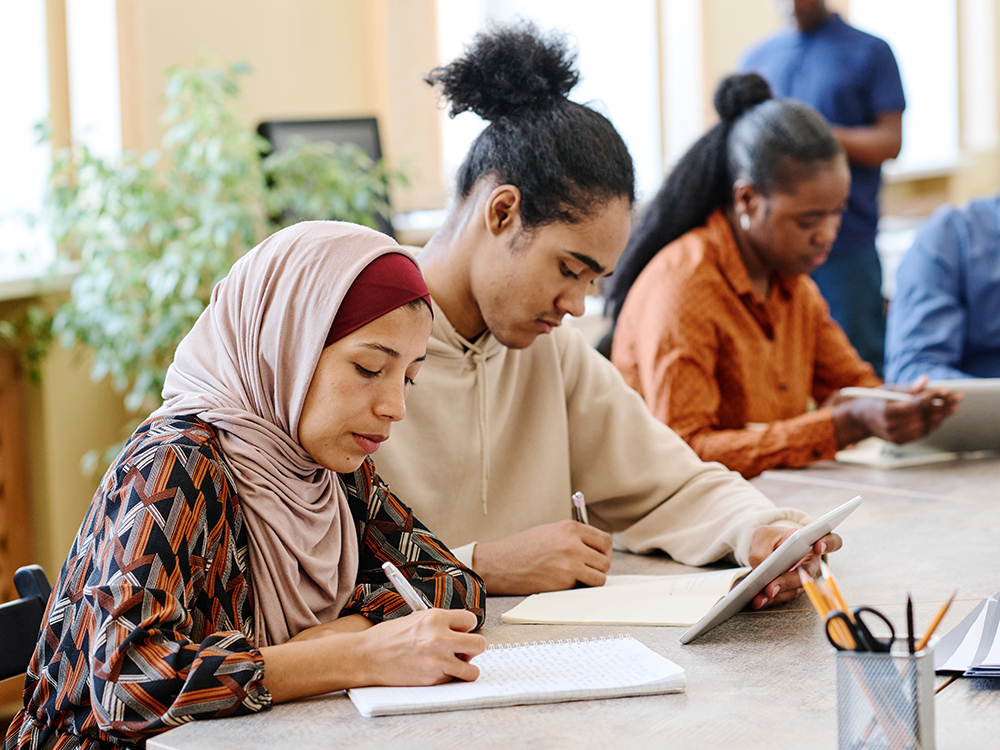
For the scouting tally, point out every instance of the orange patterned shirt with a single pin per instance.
(733, 373)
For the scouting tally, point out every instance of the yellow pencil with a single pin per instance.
(839, 626)
(823, 607)
(835, 590)
(813, 593)
(936, 621)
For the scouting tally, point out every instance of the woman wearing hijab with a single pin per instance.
(232, 555)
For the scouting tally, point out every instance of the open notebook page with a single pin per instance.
(546, 672)
(631, 600)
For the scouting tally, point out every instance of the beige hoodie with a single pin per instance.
(496, 440)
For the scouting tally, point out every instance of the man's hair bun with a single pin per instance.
(738, 93)
(506, 71)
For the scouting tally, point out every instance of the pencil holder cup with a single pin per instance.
(885, 701)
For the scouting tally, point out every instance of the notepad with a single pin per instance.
(973, 646)
(880, 454)
(630, 600)
(546, 672)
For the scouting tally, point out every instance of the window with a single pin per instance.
(92, 52)
(25, 248)
(924, 38)
(617, 59)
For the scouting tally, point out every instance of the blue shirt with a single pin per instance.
(850, 78)
(945, 318)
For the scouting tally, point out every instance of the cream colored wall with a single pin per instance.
(309, 59)
(729, 30)
(306, 56)
(980, 175)
(403, 49)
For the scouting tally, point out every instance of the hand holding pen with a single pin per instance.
(428, 647)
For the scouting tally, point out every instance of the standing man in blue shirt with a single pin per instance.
(944, 320)
(852, 79)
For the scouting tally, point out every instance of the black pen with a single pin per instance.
(909, 624)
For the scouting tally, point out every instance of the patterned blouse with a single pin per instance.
(711, 357)
(150, 622)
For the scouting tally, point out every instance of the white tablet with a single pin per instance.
(976, 424)
(784, 557)
(974, 427)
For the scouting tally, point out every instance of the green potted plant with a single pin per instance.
(152, 233)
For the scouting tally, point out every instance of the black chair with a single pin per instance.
(361, 131)
(21, 620)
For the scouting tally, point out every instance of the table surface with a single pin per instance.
(760, 680)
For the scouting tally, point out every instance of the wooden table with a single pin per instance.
(760, 680)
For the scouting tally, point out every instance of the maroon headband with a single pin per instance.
(388, 282)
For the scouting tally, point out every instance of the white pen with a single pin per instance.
(882, 393)
(409, 594)
(580, 508)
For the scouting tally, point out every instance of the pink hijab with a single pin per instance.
(245, 368)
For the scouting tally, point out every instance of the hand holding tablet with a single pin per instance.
(791, 551)
(786, 585)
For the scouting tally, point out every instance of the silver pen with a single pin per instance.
(882, 393)
(403, 587)
(580, 508)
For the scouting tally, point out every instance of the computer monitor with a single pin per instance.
(361, 131)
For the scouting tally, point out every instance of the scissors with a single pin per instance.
(860, 631)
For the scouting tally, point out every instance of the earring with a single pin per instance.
(745, 222)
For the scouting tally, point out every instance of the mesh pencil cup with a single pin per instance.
(885, 701)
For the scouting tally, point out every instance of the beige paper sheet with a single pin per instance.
(679, 600)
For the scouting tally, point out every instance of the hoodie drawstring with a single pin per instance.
(484, 431)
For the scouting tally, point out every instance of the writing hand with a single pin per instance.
(544, 558)
(424, 648)
(787, 586)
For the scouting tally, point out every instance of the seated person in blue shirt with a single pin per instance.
(944, 320)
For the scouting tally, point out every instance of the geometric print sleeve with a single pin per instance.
(150, 621)
(388, 531)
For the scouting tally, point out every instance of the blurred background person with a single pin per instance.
(851, 78)
(719, 327)
(944, 320)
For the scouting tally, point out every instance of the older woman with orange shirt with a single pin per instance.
(718, 325)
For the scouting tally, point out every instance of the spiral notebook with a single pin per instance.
(537, 672)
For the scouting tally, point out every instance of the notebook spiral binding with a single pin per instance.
(560, 642)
